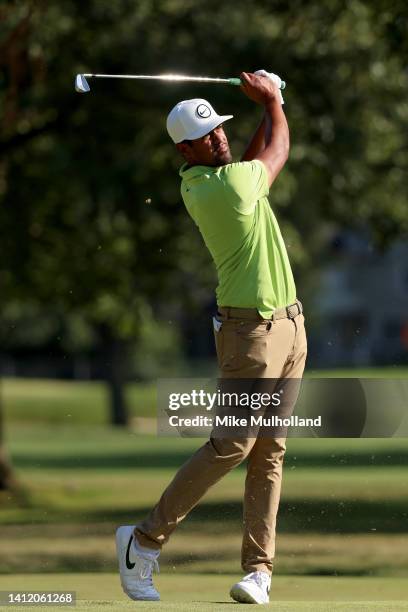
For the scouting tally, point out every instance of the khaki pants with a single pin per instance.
(247, 347)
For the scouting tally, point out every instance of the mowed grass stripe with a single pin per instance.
(60, 401)
(83, 549)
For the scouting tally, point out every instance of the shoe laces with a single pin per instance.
(147, 566)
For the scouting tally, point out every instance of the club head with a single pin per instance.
(81, 84)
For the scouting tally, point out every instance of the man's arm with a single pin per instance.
(275, 130)
(257, 143)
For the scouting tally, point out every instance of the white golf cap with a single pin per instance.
(191, 119)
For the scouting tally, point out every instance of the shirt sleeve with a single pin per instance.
(248, 182)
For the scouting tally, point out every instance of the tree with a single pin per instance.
(7, 479)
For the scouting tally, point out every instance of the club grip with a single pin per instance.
(234, 81)
(237, 81)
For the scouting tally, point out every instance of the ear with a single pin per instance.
(186, 151)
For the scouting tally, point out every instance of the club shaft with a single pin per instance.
(159, 77)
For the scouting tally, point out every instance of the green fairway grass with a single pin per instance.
(204, 593)
(342, 525)
(65, 402)
(343, 510)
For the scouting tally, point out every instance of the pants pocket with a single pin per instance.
(242, 348)
(226, 345)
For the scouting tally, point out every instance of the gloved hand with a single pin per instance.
(274, 77)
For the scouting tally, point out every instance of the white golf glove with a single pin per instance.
(274, 77)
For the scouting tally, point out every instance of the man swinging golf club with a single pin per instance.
(259, 329)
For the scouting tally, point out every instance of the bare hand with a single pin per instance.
(260, 89)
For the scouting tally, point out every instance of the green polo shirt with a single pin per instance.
(229, 204)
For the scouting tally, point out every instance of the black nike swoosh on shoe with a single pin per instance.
(129, 565)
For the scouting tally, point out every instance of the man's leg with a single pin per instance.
(264, 473)
(213, 460)
(208, 465)
(261, 502)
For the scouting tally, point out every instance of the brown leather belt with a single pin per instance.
(289, 312)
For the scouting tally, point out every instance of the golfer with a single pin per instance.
(259, 330)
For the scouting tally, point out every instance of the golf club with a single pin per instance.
(82, 86)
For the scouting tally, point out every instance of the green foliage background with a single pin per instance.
(92, 228)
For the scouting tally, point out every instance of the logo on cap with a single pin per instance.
(203, 111)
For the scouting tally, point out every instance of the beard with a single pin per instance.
(223, 157)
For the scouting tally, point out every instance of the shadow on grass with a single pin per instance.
(84, 562)
(174, 458)
(294, 517)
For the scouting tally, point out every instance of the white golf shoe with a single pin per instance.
(136, 566)
(252, 589)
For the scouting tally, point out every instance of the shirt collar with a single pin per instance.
(189, 173)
